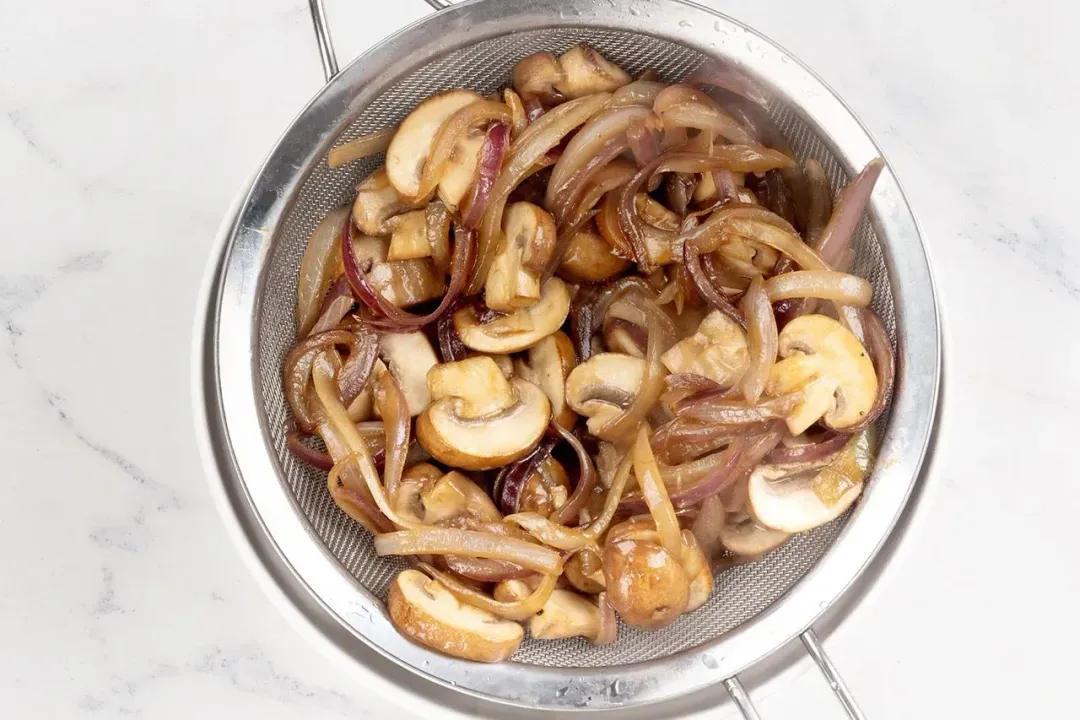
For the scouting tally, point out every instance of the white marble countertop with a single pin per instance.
(125, 130)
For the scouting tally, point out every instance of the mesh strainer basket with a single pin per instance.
(755, 609)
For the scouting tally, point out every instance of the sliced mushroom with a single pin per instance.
(696, 567)
(424, 610)
(409, 357)
(548, 364)
(477, 419)
(566, 614)
(528, 240)
(603, 386)
(402, 282)
(457, 179)
(409, 239)
(805, 501)
(585, 572)
(826, 363)
(586, 72)
(718, 350)
(645, 584)
(377, 202)
(746, 537)
(453, 495)
(545, 489)
(412, 143)
(519, 330)
(589, 258)
(534, 77)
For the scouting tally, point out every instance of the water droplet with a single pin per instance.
(834, 685)
(716, 26)
(685, 23)
(561, 692)
(615, 689)
(710, 662)
(634, 11)
(581, 703)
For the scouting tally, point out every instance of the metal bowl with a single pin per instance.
(326, 564)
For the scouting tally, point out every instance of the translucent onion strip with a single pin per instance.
(452, 541)
(361, 147)
(656, 497)
(825, 285)
(762, 339)
(518, 610)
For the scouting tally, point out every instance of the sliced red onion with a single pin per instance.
(644, 143)
(571, 509)
(829, 444)
(511, 479)
(705, 287)
(715, 73)
(491, 159)
(486, 570)
(836, 237)
(354, 374)
(881, 354)
(306, 454)
(451, 347)
(398, 320)
(338, 303)
(296, 370)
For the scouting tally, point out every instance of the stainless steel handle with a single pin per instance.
(813, 646)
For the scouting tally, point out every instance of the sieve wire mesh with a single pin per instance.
(741, 592)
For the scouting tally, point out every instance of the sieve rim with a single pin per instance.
(244, 456)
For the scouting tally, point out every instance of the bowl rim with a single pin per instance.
(241, 452)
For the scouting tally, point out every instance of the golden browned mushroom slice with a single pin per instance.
(645, 584)
(805, 501)
(409, 357)
(409, 240)
(697, 570)
(424, 610)
(528, 235)
(534, 77)
(377, 203)
(603, 386)
(453, 495)
(745, 536)
(519, 330)
(413, 141)
(402, 282)
(566, 614)
(718, 350)
(826, 363)
(548, 364)
(589, 258)
(586, 72)
(477, 419)
(457, 179)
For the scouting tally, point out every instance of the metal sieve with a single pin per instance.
(283, 506)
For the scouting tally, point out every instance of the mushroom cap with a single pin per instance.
(486, 441)
(519, 330)
(718, 350)
(751, 539)
(586, 71)
(413, 141)
(589, 258)
(423, 609)
(602, 386)
(409, 357)
(549, 363)
(696, 567)
(828, 364)
(809, 499)
(566, 614)
(645, 584)
(377, 202)
(457, 179)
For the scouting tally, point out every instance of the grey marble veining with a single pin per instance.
(125, 134)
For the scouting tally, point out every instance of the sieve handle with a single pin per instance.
(813, 646)
(326, 45)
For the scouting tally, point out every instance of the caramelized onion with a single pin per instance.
(583, 490)
(829, 444)
(452, 131)
(514, 610)
(718, 409)
(390, 400)
(683, 106)
(715, 73)
(836, 237)
(317, 268)
(655, 494)
(704, 285)
(361, 147)
(485, 570)
(525, 153)
(305, 453)
(297, 370)
(488, 167)
(761, 337)
(881, 354)
(452, 541)
(826, 285)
